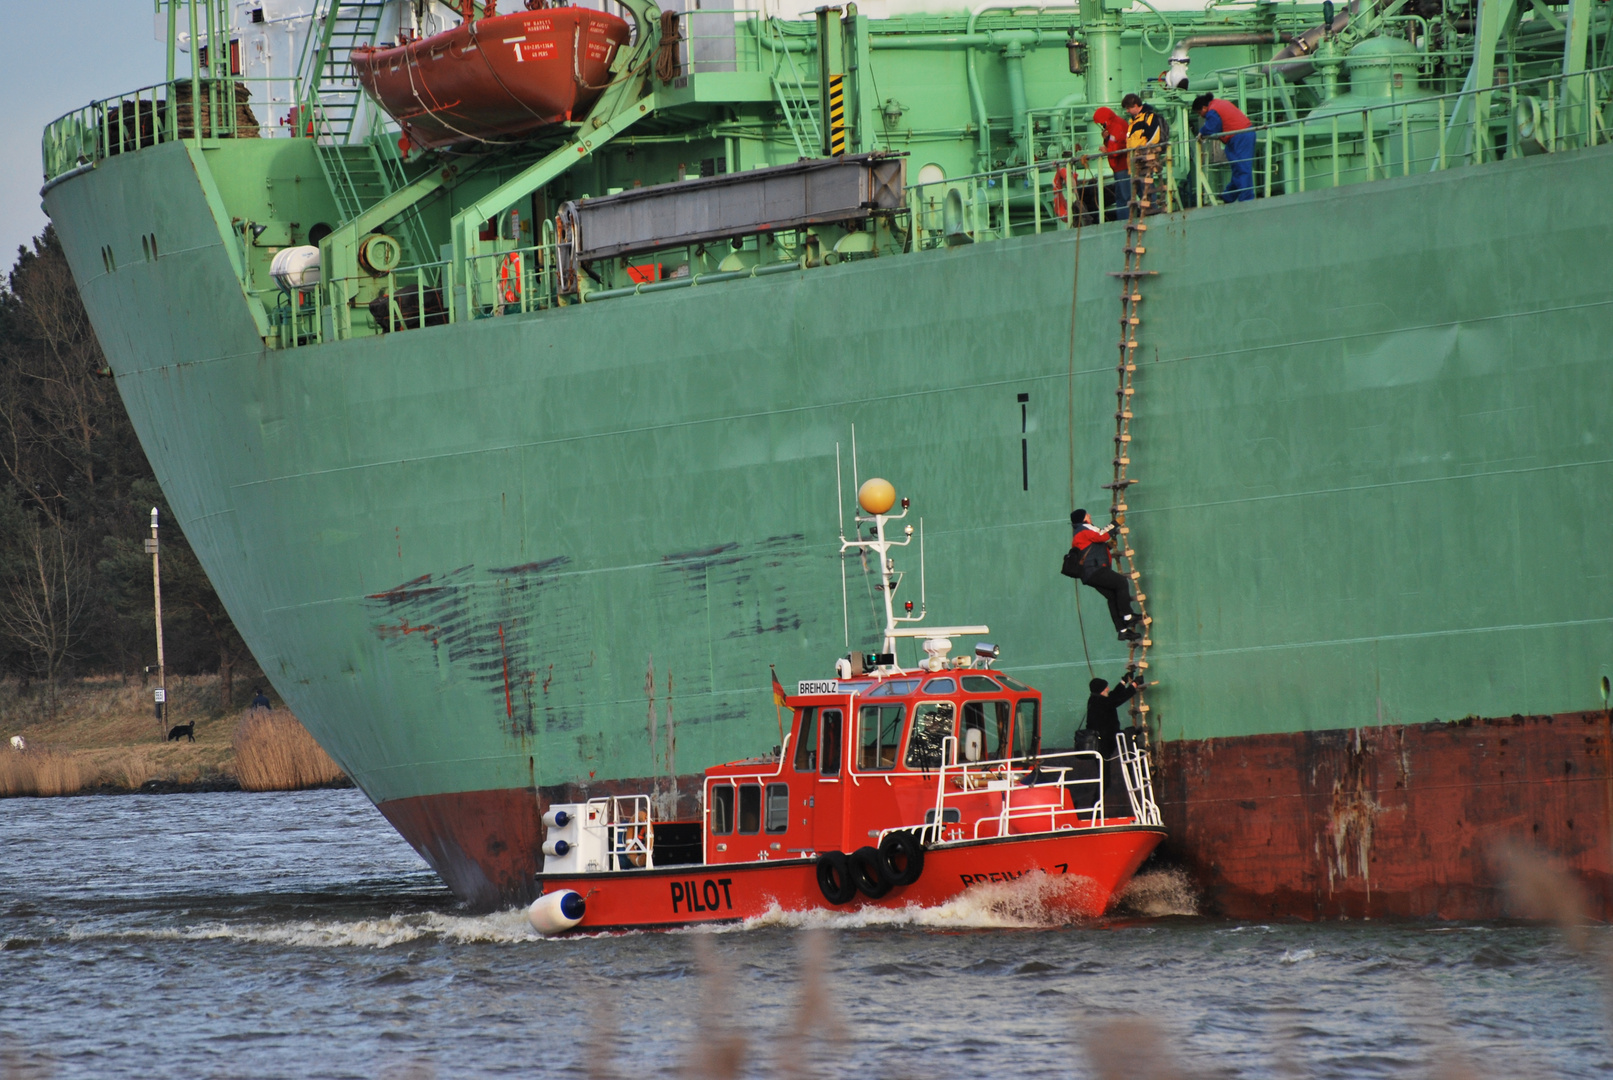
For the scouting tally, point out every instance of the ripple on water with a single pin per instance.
(297, 935)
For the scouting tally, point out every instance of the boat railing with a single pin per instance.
(163, 113)
(960, 782)
(1136, 771)
(630, 832)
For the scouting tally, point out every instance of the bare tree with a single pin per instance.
(47, 594)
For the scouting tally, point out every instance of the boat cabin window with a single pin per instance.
(894, 688)
(1027, 727)
(806, 741)
(941, 686)
(722, 809)
(778, 807)
(979, 684)
(985, 730)
(750, 809)
(879, 732)
(829, 754)
(1012, 684)
(932, 724)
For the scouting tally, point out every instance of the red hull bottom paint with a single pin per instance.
(485, 845)
(1393, 821)
(1081, 870)
(1398, 821)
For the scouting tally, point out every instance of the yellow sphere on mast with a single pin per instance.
(876, 496)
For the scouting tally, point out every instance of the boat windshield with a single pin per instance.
(894, 688)
(806, 746)
(1012, 684)
(1027, 727)
(879, 732)
(932, 724)
(979, 684)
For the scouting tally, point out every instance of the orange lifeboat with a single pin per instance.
(489, 79)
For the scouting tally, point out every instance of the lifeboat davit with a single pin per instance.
(489, 79)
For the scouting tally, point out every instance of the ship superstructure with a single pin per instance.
(463, 436)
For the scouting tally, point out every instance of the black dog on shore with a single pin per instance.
(182, 731)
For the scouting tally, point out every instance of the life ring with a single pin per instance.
(901, 858)
(509, 277)
(834, 878)
(635, 837)
(1061, 205)
(866, 872)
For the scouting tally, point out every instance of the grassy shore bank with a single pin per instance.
(102, 735)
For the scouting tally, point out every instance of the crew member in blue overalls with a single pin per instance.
(1224, 119)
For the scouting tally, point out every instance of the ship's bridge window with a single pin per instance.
(722, 809)
(1013, 684)
(979, 684)
(932, 724)
(829, 756)
(941, 686)
(806, 740)
(1027, 727)
(750, 809)
(985, 730)
(879, 732)
(778, 807)
(894, 688)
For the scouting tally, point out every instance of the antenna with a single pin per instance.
(924, 601)
(854, 482)
(840, 508)
(840, 495)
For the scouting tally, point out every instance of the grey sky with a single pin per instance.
(64, 53)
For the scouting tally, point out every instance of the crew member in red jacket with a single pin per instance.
(1114, 148)
(1093, 544)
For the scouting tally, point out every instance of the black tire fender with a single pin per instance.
(866, 872)
(901, 858)
(835, 879)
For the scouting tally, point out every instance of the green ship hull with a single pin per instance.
(562, 550)
(546, 541)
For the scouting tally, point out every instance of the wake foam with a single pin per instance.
(1033, 902)
(1158, 893)
(380, 933)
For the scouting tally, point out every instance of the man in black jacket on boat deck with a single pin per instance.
(1103, 720)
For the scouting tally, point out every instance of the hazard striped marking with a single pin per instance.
(837, 115)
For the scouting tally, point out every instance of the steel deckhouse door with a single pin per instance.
(829, 817)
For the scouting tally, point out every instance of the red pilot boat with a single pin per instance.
(490, 79)
(894, 786)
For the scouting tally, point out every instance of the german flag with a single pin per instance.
(778, 689)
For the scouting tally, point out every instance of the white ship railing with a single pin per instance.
(959, 782)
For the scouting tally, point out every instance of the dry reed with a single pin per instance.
(39, 772)
(273, 752)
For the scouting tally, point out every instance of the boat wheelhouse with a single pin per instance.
(893, 786)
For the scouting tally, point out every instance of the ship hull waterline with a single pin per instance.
(562, 561)
(1060, 876)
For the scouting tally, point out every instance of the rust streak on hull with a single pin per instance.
(1395, 821)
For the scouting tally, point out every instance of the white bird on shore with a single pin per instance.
(18, 743)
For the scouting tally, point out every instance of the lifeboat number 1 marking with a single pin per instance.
(714, 891)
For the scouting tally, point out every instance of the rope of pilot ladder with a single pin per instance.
(1075, 290)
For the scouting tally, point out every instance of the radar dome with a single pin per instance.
(876, 496)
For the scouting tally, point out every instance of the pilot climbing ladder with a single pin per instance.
(1131, 280)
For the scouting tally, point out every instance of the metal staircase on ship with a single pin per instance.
(800, 109)
(361, 171)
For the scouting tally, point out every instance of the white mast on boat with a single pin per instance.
(876, 498)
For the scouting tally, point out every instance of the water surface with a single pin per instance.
(237, 935)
